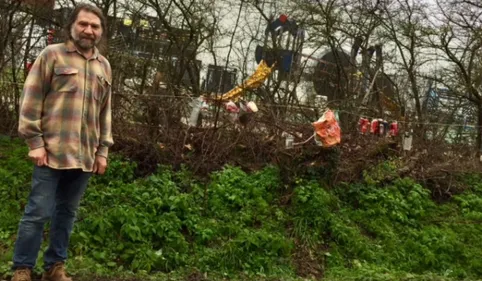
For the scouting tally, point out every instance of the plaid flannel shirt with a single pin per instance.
(66, 107)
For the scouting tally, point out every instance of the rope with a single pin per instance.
(307, 107)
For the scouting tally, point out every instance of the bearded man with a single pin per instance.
(65, 119)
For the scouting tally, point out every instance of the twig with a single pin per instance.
(303, 142)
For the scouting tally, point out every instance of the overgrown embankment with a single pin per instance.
(260, 225)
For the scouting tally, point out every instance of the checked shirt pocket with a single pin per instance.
(103, 87)
(65, 79)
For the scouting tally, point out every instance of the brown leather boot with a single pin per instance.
(22, 274)
(56, 273)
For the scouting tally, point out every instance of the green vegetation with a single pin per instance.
(243, 226)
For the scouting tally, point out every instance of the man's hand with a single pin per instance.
(38, 156)
(100, 165)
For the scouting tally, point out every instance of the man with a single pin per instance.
(65, 118)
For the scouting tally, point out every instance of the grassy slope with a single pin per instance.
(252, 227)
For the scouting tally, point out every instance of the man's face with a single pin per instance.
(86, 30)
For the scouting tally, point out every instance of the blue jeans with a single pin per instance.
(55, 196)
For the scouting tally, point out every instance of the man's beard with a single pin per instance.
(84, 42)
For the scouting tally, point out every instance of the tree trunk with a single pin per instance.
(479, 130)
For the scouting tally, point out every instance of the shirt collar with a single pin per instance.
(70, 47)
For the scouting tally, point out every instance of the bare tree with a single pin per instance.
(456, 33)
(16, 42)
(10, 29)
(338, 25)
(403, 26)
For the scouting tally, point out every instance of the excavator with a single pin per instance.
(272, 55)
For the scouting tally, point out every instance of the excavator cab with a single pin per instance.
(283, 42)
